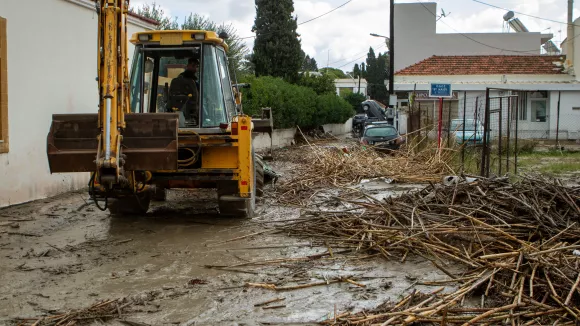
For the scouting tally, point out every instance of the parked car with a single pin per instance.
(358, 122)
(472, 134)
(383, 137)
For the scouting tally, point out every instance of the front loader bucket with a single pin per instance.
(72, 143)
(149, 142)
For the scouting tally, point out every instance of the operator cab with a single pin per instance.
(163, 79)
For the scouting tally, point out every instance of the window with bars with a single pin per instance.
(3, 88)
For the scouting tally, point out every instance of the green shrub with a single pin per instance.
(294, 105)
(320, 84)
(332, 109)
(355, 99)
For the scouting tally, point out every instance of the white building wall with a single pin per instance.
(569, 118)
(416, 38)
(52, 67)
(352, 84)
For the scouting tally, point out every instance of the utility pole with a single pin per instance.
(392, 54)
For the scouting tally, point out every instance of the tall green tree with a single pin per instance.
(376, 74)
(277, 49)
(356, 72)
(308, 63)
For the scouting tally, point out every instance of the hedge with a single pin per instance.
(294, 105)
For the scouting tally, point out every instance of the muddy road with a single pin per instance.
(63, 253)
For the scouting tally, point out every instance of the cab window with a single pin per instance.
(226, 83)
(213, 107)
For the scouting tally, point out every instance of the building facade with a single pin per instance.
(548, 98)
(416, 38)
(351, 85)
(48, 64)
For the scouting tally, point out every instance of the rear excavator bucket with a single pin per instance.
(149, 142)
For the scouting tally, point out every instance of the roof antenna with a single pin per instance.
(443, 14)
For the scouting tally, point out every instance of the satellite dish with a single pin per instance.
(509, 15)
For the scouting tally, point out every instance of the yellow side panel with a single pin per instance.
(219, 158)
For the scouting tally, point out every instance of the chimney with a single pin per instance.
(570, 41)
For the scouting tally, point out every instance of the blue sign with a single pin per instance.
(440, 90)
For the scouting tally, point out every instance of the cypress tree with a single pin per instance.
(277, 49)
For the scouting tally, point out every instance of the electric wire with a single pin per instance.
(308, 21)
(346, 64)
(356, 55)
(326, 13)
(472, 39)
(523, 14)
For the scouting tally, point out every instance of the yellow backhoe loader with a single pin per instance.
(175, 121)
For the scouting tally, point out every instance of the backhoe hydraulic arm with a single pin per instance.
(113, 88)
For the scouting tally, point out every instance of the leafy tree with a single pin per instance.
(277, 49)
(308, 63)
(157, 13)
(356, 72)
(237, 48)
(334, 73)
(355, 99)
(320, 84)
(376, 74)
(294, 105)
(363, 70)
(247, 67)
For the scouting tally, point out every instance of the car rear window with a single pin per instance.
(381, 132)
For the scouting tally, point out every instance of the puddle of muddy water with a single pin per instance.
(159, 259)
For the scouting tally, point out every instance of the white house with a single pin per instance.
(547, 86)
(48, 64)
(416, 38)
(539, 81)
(351, 85)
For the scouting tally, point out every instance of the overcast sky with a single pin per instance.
(343, 35)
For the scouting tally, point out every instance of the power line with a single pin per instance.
(356, 55)
(326, 13)
(308, 21)
(346, 64)
(523, 14)
(472, 39)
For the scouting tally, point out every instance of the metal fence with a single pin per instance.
(499, 125)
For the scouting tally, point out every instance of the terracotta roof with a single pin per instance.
(484, 65)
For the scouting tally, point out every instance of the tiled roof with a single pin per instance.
(485, 65)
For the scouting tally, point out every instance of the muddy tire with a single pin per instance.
(131, 205)
(231, 204)
(259, 174)
(160, 194)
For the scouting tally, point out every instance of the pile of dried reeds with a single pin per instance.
(100, 311)
(517, 244)
(340, 166)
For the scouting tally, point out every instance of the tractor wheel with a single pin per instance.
(259, 176)
(231, 204)
(130, 205)
(160, 194)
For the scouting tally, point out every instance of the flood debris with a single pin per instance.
(103, 310)
(269, 302)
(324, 167)
(514, 242)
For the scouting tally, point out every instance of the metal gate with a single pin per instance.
(500, 133)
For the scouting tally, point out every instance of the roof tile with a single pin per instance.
(484, 65)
